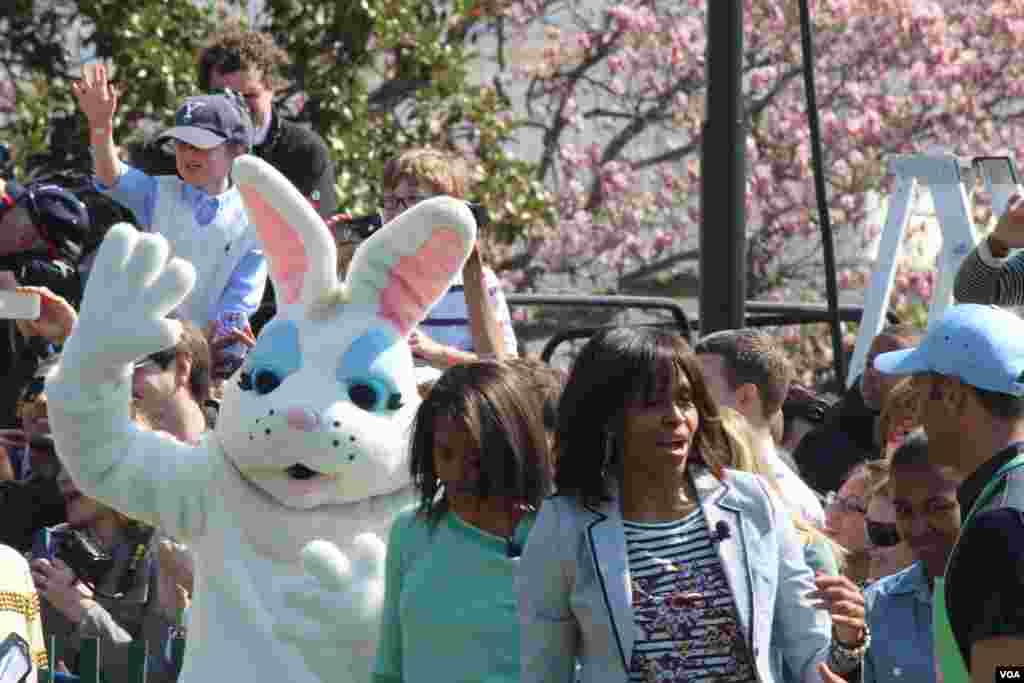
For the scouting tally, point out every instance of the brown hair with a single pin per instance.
(192, 345)
(446, 173)
(234, 48)
(752, 357)
(878, 479)
(494, 404)
(905, 332)
(902, 404)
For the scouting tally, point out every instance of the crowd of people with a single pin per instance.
(656, 513)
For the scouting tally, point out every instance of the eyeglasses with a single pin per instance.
(845, 503)
(882, 535)
(33, 389)
(161, 359)
(392, 203)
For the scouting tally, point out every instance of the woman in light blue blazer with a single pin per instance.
(653, 563)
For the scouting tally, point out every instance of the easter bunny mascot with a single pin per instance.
(285, 503)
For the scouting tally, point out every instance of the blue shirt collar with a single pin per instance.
(204, 206)
(910, 580)
(194, 195)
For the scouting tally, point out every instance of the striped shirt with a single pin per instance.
(448, 321)
(985, 279)
(684, 613)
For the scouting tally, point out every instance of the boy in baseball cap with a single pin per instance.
(970, 370)
(200, 211)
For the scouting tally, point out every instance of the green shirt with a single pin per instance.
(450, 604)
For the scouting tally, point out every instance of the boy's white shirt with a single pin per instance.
(214, 250)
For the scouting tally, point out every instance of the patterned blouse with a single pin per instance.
(684, 613)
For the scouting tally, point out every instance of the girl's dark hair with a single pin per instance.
(493, 402)
(617, 366)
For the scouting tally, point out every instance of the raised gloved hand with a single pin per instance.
(131, 289)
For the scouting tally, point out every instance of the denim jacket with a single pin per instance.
(575, 594)
(899, 611)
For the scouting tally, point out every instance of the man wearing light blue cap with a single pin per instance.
(970, 371)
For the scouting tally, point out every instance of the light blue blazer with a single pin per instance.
(575, 594)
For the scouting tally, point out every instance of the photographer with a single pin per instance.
(98, 576)
(42, 229)
(472, 319)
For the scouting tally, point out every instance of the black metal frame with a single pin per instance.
(758, 314)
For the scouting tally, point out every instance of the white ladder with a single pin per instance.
(951, 180)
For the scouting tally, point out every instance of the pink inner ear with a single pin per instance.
(286, 252)
(413, 283)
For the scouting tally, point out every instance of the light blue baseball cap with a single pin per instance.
(981, 345)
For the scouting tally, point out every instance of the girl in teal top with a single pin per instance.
(479, 461)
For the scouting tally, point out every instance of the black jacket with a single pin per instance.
(847, 438)
(28, 506)
(302, 156)
(295, 150)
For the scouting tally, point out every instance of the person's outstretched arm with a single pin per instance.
(97, 99)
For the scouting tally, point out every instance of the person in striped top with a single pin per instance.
(993, 272)
(655, 563)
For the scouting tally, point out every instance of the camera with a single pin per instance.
(86, 559)
(89, 562)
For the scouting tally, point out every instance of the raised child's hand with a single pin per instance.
(97, 98)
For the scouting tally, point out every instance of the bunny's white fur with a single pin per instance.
(311, 442)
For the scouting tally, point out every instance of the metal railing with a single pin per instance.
(88, 664)
(758, 314)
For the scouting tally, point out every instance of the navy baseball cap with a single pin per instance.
(982, 345)
(208, 121)
(61, 218)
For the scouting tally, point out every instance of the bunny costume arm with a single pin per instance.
(144, 474)
(148, 475)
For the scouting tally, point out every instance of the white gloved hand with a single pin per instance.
(334, 614)
(131, 289)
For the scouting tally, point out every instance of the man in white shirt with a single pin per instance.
(747, 370)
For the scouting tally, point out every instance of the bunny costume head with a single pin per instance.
(319, 413)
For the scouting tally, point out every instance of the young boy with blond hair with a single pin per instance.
(451, 333)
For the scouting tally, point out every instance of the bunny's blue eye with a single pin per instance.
(264, 381)
(367, 368)
(373, 395)
(276, 356)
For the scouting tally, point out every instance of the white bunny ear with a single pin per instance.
(299, 247)
(408, 265)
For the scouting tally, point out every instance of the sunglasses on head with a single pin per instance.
(33, 389)
(882, 535)
(161, 359)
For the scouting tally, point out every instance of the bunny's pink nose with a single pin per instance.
(303, 419)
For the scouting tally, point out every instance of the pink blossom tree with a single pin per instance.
(616, 96)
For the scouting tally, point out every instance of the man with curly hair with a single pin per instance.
(250, 63)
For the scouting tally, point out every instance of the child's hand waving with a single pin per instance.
(97, 97)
